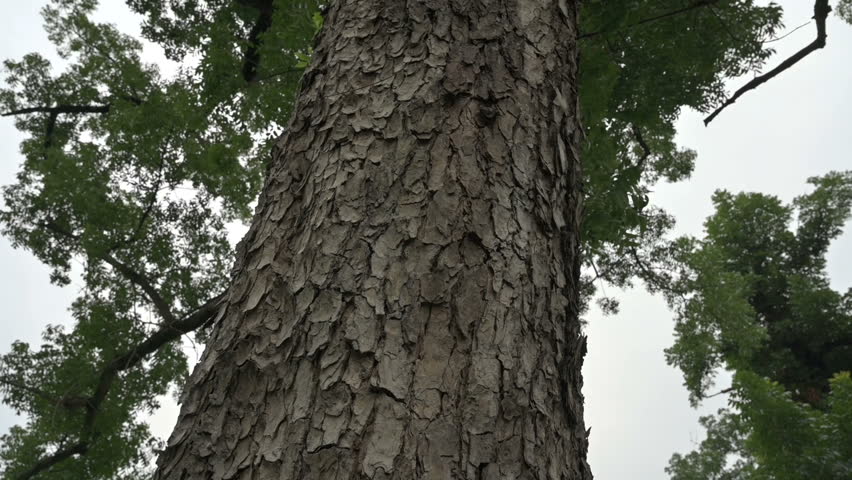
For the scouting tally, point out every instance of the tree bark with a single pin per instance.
(404, 304)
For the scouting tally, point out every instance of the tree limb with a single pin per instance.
(251, 57)
(162, 307)
(51, 460)
(646, 150)
(55, 111)
(166, 333)
(54, 114)
(142, 282)
(60, 109)
(688, 8)
(821, 11)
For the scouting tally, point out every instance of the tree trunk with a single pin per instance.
(404, 304)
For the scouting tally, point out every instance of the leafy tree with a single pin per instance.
(753, 297)
(136, 174)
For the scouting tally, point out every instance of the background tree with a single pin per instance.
(753, 297)
(114, 149)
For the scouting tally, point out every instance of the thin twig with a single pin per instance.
(720, 392)
(782, 37)
(688, 8)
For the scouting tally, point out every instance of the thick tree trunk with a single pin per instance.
(405, 303)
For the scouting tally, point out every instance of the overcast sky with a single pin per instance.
(771, 140)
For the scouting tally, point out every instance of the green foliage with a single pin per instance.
(134, 175)
(639, 77)
(753, 297)
(641, 63)
(844, 10)
(768, 435)
(712, 459)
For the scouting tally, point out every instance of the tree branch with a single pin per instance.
(160, 304)
(142, 282)
(251, 57)
(821, 11)
(646, 150)
(720, 392)
(688, 8)
(54, 114)
(152, 201)
(60, 109)
(51, 460)
(55, 111)
(132, 357)
(165, 334)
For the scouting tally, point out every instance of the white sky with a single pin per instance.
(770, 141)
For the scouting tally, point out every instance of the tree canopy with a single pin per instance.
(753, 297)
(135, 174)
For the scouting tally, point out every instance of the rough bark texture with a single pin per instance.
(405, 303)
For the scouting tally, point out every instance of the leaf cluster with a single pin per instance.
(643, 62)
(753, 297)
(129, 178)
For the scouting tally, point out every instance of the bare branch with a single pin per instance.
(782, 37)
(688, 8)
(821, 11)
(720, 392)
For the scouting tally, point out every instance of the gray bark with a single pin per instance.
(404, 304)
